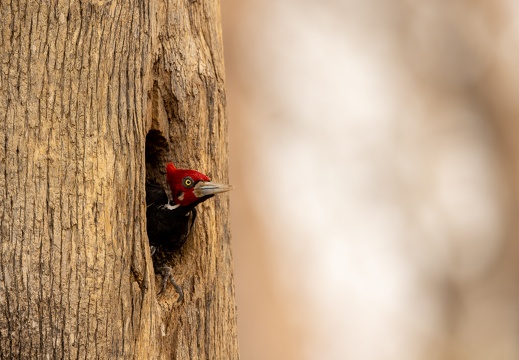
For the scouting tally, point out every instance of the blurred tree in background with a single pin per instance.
(375, 150)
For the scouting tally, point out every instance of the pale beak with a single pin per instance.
(205, 188)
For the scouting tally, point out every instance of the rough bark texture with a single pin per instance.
(81, 85)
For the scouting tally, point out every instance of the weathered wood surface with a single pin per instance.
(81, 84)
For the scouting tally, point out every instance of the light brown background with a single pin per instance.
(374, 155)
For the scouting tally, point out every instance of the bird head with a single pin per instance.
(190, 186)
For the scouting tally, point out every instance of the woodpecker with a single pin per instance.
(169, 221)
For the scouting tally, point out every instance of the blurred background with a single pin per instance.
(375, 155)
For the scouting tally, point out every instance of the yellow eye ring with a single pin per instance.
(188, 182)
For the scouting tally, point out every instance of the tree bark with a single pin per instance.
(82, 84)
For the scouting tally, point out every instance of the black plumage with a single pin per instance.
(168, 229)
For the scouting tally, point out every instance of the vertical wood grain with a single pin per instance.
(76, 80)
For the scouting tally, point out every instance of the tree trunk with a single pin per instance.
(82, 84)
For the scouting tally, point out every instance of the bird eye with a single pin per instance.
(188, 182)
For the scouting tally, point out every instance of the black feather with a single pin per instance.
(168, 229)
